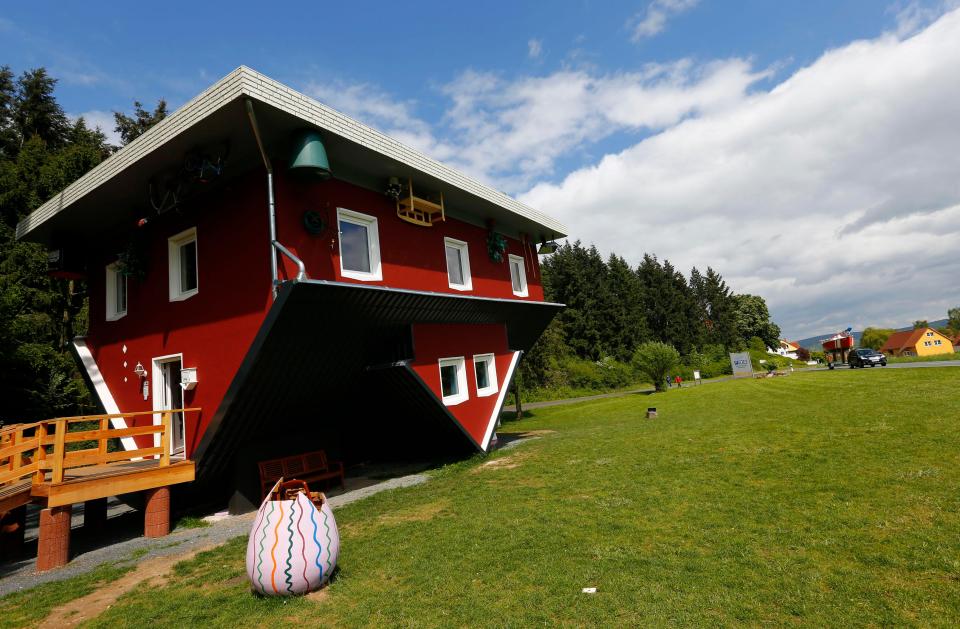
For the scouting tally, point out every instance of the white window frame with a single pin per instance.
(114, 275)
(464, 250)
(929, 333)
(174, 243)
(926, 343)
(373, 245)
(462, 394)
(522, 270)
(938, 342)
(493, 386)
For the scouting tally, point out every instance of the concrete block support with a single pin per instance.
(94, 514)
(53, 547)
(157, 512)
(13, 525)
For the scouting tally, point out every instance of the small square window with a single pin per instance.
(485, 368)
(458, 264)
(359, 246)
(929, 333)
(184, 272)
(116, 293)
(938, 342)
(453, 380)
(518, 276)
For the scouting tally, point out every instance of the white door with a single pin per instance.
(170, 396)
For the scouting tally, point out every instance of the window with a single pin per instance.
(359, 246)
(938, 342)
(518, 276)
(926, 343)
(486, 372)
(116, 291)
(184, 276)
(929, 333)
(453, 380)
(458, 264)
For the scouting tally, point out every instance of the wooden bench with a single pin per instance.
(309, 467)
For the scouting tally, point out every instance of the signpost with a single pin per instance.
(741, 364)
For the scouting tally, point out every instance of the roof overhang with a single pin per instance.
(320, 339)
(115, 191)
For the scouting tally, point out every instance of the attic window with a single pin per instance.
(184, 274)
(453, 380)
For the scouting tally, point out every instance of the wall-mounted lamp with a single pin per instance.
(140, 371)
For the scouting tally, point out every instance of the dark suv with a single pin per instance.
(866, 358)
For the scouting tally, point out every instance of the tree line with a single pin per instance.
(612, 309)
(41, 152)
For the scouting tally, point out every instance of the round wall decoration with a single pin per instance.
(313, 222)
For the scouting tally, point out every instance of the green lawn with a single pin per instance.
(827, 499)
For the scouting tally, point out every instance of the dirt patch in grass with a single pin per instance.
(154, 572)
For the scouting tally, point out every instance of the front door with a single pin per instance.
(170, 396)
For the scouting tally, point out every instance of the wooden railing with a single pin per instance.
(34, 449)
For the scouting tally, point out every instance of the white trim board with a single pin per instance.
(102, 390)
(500, 398)
(244, 82)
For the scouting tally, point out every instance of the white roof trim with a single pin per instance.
(246, 82)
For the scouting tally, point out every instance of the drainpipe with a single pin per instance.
(275, 245)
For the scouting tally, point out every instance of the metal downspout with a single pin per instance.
(275, 246)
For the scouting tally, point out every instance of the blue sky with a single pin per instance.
(601, 103)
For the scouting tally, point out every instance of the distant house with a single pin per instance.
(919, 342)
(786, 348)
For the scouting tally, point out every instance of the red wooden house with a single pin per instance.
(305, 280)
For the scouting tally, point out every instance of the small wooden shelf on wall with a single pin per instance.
(419, 211)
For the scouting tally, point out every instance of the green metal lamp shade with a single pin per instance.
(309, 155)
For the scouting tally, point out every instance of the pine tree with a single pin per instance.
(37, 113)
(624, 321)
(132, 127)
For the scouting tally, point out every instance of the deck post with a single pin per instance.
(156, 519)
(165, 439)
(13, 525)
(59, 451)
(94, 513)
(53, 547)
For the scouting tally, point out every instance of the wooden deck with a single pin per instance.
(61, 462)
(111, 479)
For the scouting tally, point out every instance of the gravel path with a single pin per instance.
(18, 576)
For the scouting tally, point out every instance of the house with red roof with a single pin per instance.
(919, 342)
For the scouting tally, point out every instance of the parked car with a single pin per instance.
(866, 358)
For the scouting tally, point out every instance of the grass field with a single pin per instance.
(923, 359)
(827, 499)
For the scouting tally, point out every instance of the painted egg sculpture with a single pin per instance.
(294, 545)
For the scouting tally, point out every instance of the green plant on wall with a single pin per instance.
(496, 246)
(132, 261)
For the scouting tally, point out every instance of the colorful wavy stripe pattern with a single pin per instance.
(277, 543)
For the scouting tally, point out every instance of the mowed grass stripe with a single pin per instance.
(824, 499)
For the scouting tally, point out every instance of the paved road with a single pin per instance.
(535, 405)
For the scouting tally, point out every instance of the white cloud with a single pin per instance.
(913, 15)
(834, 195)
(511, 133)
(534, 48)
(103, 120)
(654, 19)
